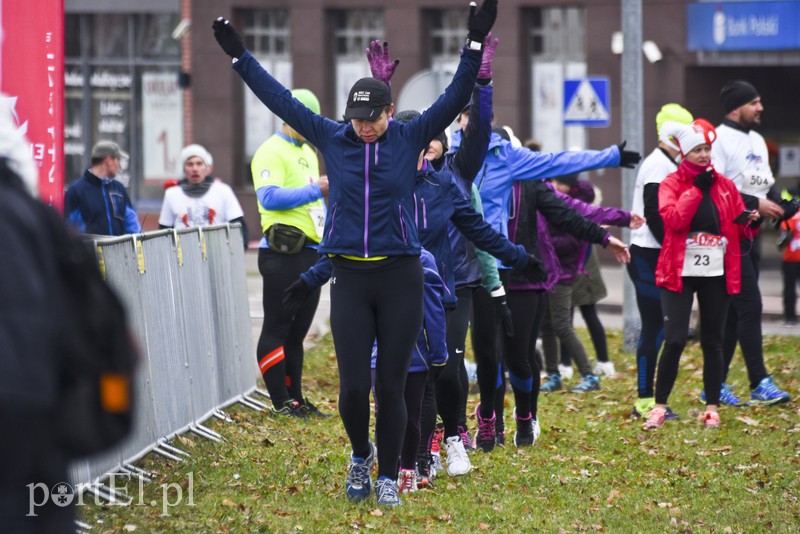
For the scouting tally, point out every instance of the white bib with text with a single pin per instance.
(705, 255)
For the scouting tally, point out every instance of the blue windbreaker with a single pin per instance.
(370, 200)
(93, 205)
(505, 163)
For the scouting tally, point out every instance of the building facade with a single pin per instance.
(138, 62)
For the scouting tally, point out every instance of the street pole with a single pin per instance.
(632, 131)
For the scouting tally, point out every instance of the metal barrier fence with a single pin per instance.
(186, 296)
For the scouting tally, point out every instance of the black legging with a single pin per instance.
(791, 276)
(485, 333)
(744, 320)
(449, 394)
(642, 270)
(596, 331)
(527, 312)
(713, 301)
(378, 300)
(280, 346)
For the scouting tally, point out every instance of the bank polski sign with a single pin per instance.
(743, 26)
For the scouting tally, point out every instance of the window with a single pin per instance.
(118, 68)
(557, 33)
(352, 31)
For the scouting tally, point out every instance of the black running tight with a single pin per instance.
(380, 300)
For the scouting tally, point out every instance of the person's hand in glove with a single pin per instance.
(628, 158)
(704, 180)
(228, 38)
(501, 310)
(380, 65)
(489, 46)
(295, 296)
(535, 271)
(481, 20)
(790, 208)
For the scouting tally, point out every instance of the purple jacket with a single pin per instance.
(571, 251)
(535, 207)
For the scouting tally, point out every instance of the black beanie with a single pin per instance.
(736, 94)
(442, 138)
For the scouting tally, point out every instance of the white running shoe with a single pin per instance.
(565, 371)
(457, 460)
(605, 368)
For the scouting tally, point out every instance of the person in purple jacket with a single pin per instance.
(557, 324)
(536, 206)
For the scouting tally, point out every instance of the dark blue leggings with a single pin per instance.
(379, 300)
(641, 270)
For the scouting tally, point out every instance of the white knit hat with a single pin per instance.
(200, 151)
(688, 136)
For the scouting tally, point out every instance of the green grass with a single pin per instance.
(593, 468)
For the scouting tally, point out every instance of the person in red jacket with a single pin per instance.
(700, 255)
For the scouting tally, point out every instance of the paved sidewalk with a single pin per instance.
(610, 308)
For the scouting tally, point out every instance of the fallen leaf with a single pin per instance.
(228, 502)
(483, 526)
(613, 494)
(129, 528)
(376, 512)
(747, 420)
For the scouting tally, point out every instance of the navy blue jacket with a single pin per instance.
(99, 206)
(370, 200)
(439, 201)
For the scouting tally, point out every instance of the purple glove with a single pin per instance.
(380, 65)
(489, 45)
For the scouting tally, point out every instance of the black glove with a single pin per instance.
(790, 208)
(628, 158)
(535, 271)
(703, 180)
(502, 312)
(481, 21)
(228, 38)
(295, 296)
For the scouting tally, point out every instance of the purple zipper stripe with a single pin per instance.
(402, 224)
(416, 209)
(366, 199)
(424, 214)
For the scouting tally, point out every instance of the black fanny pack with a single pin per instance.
(285, 239)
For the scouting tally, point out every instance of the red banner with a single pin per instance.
(32, 78)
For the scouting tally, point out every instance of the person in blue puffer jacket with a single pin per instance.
(372, 238)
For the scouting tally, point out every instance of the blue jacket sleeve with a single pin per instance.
(433, 319)
(315, 128)
(442, 112)
(319, 273)
(468, 160)
(276, 198)
(132, 225)
(72, 212)
(527, 165)
(482, 235)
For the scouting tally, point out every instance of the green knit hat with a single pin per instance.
(307, 98)
(672, 112)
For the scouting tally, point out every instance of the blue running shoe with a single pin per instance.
(551, 383)
(590, 382)
(357, 483)
(767, 393)
(643, 406)
(726, 396)
(386, 492)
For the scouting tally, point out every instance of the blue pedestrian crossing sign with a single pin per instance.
(586, 102)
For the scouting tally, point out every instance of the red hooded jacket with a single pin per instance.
(678, 200)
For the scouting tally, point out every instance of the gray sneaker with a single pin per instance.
(386, 491)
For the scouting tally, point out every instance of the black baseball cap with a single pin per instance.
(367, 98)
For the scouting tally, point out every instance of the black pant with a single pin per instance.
(414, 394)
(642, 270)
(713, 301)
(450, 397)
(371, 301)
(791, 277)
(744, 321)
(519, 352)
(596, 331)
(485, 333)
(280, 346)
